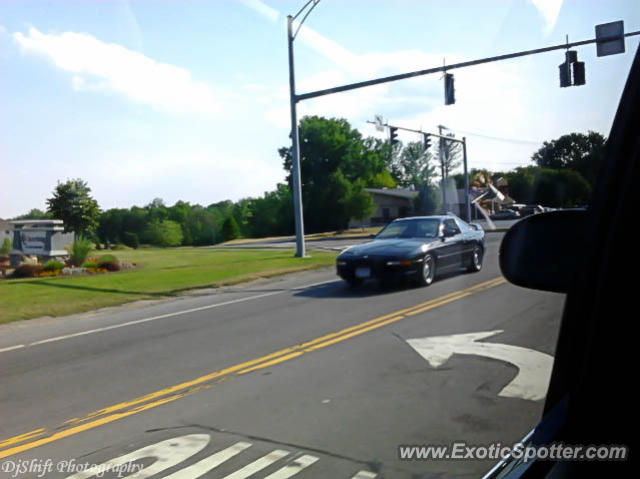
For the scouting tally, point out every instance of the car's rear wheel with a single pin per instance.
(428, 271)
(475, 262)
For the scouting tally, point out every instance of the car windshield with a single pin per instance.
(414, 228)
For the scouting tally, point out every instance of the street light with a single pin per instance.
(295, 140)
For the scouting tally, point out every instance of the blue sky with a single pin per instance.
(189, 99)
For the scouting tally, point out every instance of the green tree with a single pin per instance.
(413, 165)
(326, 147)
(34, 214)
(428, 200)
(72, 203)
(575, 151)
(230, 229)
(548, 187)
(164, 233)
(358, 203)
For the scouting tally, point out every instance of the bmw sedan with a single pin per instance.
(414, 248)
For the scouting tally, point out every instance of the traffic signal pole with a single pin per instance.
(295, 150)
(295, 98)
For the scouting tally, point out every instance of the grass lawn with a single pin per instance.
(161, 273)
(355, 232)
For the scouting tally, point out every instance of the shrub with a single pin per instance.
(90, 265)
(53, 265)
(4, 258)
(79, 251)
(106, 257)
(109, 265)
(131, 240)
(5, 248)
(119, 247)
(27, 271)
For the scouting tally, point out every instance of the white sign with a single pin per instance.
(534, 367)
(33, 242)
(379, 123)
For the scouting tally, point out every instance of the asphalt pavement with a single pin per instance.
(298, 376)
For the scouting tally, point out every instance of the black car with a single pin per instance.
(415, 248)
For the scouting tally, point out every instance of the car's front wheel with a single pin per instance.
(428, 271)
(475, 262)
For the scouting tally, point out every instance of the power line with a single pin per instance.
(497, 138)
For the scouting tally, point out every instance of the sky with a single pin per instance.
(188, 100)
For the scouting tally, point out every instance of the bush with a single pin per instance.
(119, 247)
(108, 262)
(90, 264)
(5, 248)
(53, 265)
(109, 265)
(27, 271)
(131, 240)
(79, 251)
(4, 258)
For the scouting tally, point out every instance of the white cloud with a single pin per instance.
(263, 9)
(100, 66)
(549, 9)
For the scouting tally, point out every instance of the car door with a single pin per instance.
(451, 248)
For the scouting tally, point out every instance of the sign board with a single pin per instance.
(605, 31)
(33, 242)
(379, 123)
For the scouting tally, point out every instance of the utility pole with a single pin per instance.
(467, 204)
(295, 148)
(441, 157)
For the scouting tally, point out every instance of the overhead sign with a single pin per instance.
(604, 45)
(379, 123)
(534, 367)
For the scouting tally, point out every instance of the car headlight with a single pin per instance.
(403, 262)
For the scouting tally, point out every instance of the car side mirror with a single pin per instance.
(542, 251)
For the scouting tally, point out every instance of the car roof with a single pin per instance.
(435, 217)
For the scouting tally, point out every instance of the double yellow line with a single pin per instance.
(166, 395)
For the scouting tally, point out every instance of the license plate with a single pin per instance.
(363, 272)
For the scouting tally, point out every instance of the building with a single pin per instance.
(390, 203)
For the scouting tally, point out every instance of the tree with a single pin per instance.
(428, 200)
(575, 151)
(34, 214)
(72, 204)
(412, 165)
(326, 147)
(358, 203)
(164, 233)
(548, 187)
(230, 229)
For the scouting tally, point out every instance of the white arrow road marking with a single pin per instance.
(364, 475)
(294, 468)
(167, 454)
(534, 367)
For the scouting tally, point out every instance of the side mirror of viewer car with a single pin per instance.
(541, 251)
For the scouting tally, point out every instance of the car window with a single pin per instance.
(451, 225)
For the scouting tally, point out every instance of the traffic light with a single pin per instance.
(449, 91)
(426, 141)
(565, 79)
(572, 72)
(393, 135)
(579, 77)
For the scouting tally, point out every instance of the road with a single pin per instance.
(294, 377)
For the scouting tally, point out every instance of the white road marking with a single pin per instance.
(161, 316)
(167, 454)
(294, 468)
(11, 348)
(364, 475)
(258, 464)
(534, 367)
(209, 463)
